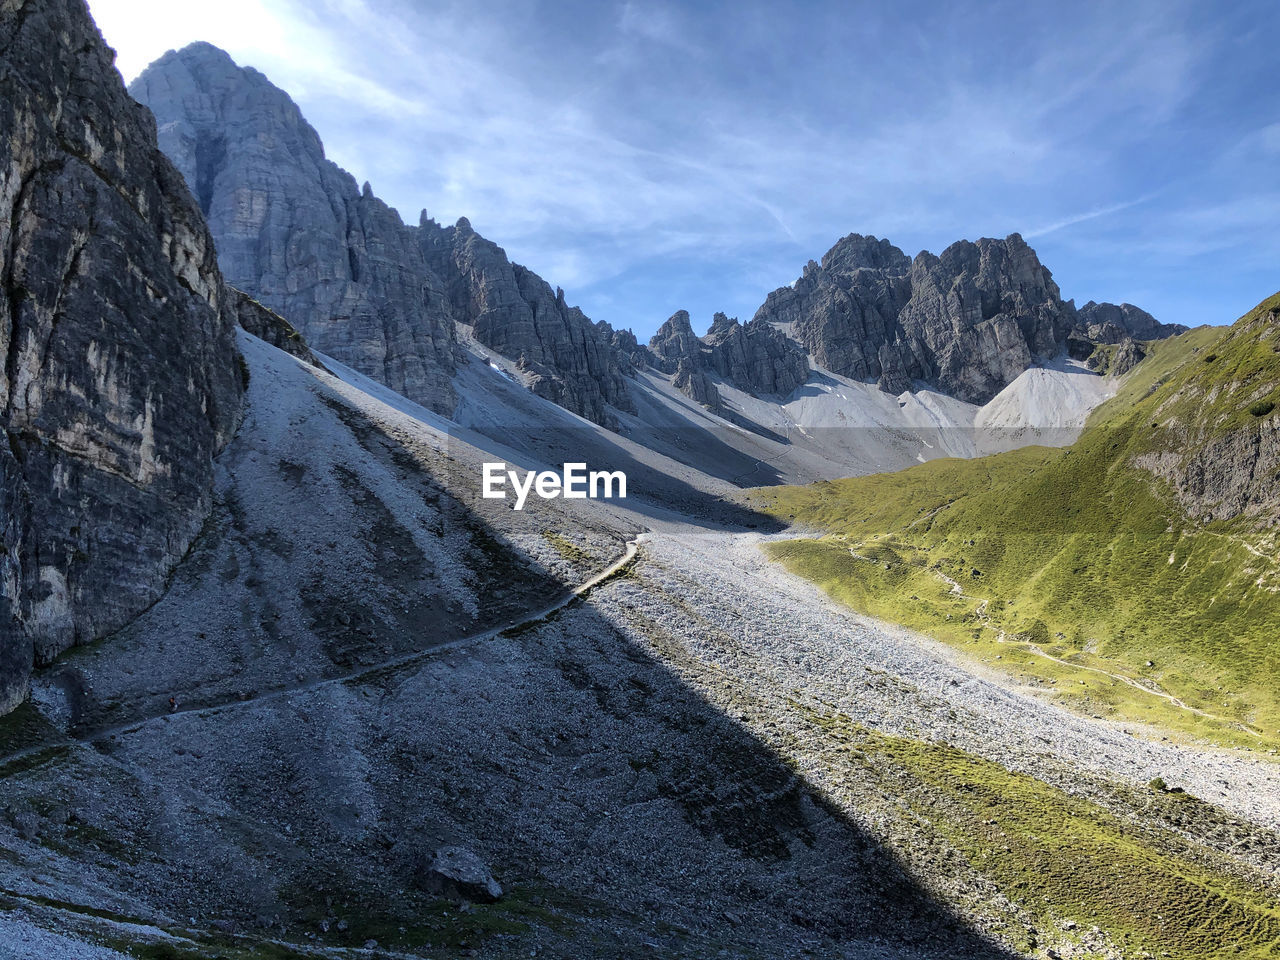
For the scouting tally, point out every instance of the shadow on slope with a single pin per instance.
(618, 807)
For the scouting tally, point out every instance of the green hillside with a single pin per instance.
(1109, 572)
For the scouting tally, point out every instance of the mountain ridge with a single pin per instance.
(297, 234)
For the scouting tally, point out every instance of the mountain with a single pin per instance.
(442, 317)
(121, 378)
(399, 303)
(1141, 561)
(297, 233)
(967, 322)
(756, 358)
(367, 710)
(1109, 323)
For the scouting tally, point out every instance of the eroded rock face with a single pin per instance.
(120, 377)
(1113, 323)
(572, 361)
(758, 357)
(968, 321)
(296, 233)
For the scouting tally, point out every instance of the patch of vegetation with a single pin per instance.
(1091, 571)
(23, 728)
(195, 950)
(567, 549)
(412, 921)
(32, 761)
(1262, 408)
(1062, 857)
(244, 370)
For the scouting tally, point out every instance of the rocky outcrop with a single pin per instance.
(456, 873)
(968, 321)
(695, 383)
(1218, 439)
(296, 233)
(120, 378)
(566, 358)
(1113, 323)
(1233, 474)
(1118, 361)
(676, 341)
(270, 326)
(632, 355)
(758, 357)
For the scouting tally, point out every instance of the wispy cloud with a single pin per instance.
(610, 145)
(1083, 217)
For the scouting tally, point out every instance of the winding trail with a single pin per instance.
(92, 734)
(1155, 692)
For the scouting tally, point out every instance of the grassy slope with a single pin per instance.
(1066, 861)
(1081, 556)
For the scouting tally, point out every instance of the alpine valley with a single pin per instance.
(940, 618)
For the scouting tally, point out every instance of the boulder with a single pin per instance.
(456, 873)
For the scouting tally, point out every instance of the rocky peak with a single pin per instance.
(295, 233)
(1112, 323)
(633, 356)
(722, 327)
(858, 252)
(757, 358)
(967, 321)
(121, 380)
(676, 341)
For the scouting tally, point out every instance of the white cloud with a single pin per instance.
(589, 155)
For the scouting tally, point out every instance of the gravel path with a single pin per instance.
(780, 635)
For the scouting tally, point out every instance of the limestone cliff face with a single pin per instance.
(968, 321)
(295, 232)
(120, 378)
(982, 311)
(570, 360)
(1113, 323)
(758, 358)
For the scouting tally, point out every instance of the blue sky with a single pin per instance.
(655, 156)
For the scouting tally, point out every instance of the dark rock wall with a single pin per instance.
(120, 379)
